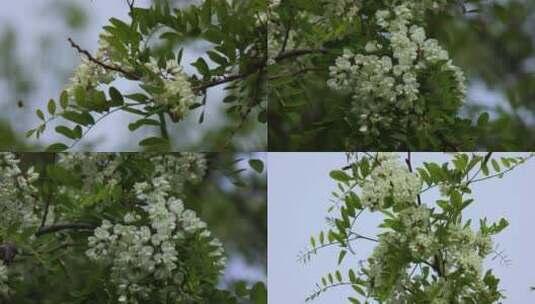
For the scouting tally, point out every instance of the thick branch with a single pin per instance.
(60, 227)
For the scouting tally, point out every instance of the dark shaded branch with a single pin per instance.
(296, 73)
(408, 160)
(102, 64)
(217, 82)
(45, 214)
(60, 227)
(8, 251)
(300, 52)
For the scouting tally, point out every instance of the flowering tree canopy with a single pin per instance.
(368, 75)
(114, 227)
(425, 252)
(147, 50)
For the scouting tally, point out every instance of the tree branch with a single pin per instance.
(217, 82)
(60, 227)
(300, 52)
(102, 64)
(409, 164)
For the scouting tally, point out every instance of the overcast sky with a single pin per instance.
(299, 191)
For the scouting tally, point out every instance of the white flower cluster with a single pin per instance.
(88, 74)
(177, 91)
(346, 9)
(389, 179)
(17, 190)
(4, 288)
(389, 83)
(187, 167)
(95, 168)
(416, 222)
(102, 168)
(464, 249)
(467, 250)
(146, 258)
(274, 3)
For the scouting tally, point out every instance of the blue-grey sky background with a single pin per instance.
(298, 198)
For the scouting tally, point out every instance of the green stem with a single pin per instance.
(163, 126)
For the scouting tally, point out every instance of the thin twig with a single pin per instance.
(102, 64)
(409, 164)
(300, 52)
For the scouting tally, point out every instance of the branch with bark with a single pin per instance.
(61, 227)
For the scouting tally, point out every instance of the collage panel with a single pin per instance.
(391, 75)
(133, 228)
(133, 75)
(400, 228)
(142, 141)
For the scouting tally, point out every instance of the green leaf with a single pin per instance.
(154, 141)
(79, 96)
(339, 175)
(116, 97)
(137, 97)
(495, 165)
(483, 119)
(40, 114)
(67, 132)
(352, 276)
(259, 294)
(145, 121)
(202, 66)
(31, 132)
(341, 256)
(339, 276)
(51, 107)
(57, 147)
(257, 165)
(83, 118)
(64, 99)
(217, 58)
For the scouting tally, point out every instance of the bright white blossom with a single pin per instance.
(147, 248)
(388, 83)
(89, 75)
(389, 179)
(177, 91)
(17, 194)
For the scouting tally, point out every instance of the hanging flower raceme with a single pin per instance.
(89, 75)
(159, 244)
(388, 77)
(176, 92)
(17, 194)
(389, 180)
(169, 84)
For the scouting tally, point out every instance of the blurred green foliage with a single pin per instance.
(231, 199)
(492, 41)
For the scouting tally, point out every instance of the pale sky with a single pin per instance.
(299, 193)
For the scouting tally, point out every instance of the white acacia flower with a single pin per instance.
(378, 88)
(4, 288)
